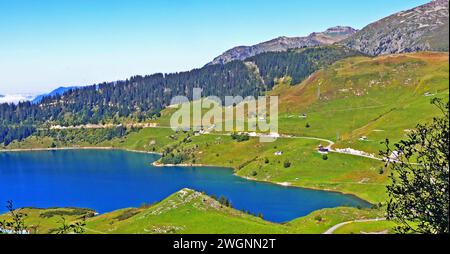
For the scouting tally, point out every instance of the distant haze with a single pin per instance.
(14, 98)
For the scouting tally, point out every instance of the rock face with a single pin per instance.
(330, 36)
(422, 28)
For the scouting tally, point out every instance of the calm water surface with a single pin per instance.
(109, 180)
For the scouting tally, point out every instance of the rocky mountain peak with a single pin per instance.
(340, 30)
(283, 43)
(425, 27)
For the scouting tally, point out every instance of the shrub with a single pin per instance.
(173, 158)
(224, 201)
(127, 214)
(240, 137)
(71, 212)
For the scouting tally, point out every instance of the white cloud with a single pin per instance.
(15, 98)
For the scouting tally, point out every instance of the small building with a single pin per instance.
(322, 149)
(395, 155)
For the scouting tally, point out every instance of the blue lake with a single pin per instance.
(110, 180)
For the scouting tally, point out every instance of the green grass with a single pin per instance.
(147, 139)
(320, 221)
(186, 211)
(255, 160)
(32, 142)
(370, 227)
(378, 98)
(47, 221)
(375, 97)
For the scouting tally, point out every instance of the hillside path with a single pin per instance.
(333, 228)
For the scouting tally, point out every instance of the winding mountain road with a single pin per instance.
(329, 146)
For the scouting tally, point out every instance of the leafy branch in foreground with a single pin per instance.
(419, 191)
(17, 223)
(75, 228)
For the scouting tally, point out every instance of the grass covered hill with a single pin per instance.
(379, 98)
(186, 211)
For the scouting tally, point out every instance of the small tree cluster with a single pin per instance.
(240, 137)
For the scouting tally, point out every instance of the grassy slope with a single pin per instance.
(188, 211)
(374, 97)
(379, 98)
(148, 139)
(321, 220)
(344, 173)
(45, 221)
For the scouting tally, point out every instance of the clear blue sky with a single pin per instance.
(50, 43)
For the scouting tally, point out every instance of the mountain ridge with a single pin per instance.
(58, 91)
(283, 43)
(423, 28)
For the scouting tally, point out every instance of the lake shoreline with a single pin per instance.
(159, 164)
(283, 184)
(75, 148)
(103, 169)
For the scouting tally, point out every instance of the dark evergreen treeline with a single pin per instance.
(142, 97)
(68, 137)
(297, 63)
(9, 134)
